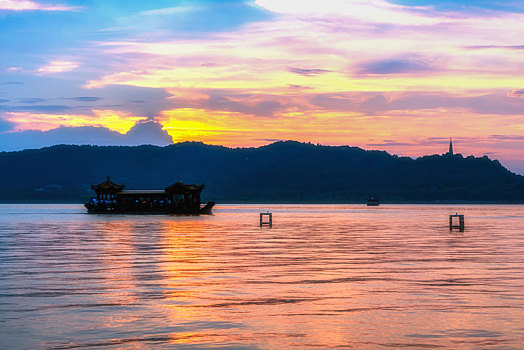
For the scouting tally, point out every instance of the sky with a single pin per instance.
(402, 76)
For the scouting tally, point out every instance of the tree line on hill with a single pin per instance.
(282, 172)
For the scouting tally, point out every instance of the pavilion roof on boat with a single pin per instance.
(181, 188)
(110, 190)
(107, 186)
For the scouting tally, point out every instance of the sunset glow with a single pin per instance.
(400, 76)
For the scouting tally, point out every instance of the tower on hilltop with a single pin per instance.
(450, 151)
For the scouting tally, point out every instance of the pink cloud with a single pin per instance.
(28, 5)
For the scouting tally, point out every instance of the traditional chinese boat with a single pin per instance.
(178, 198)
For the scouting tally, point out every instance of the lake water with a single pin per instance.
(324, 276)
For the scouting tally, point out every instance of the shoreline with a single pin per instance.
(382, 203)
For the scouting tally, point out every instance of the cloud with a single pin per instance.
(253, 57)
(169, 11)
(68, 97)
(52, 109)
(5, 125)
(85, 99)
(193, 18)
(236, 102)
(267, 108)
(148, 102)
(389, 144)
(51, 118)
(508, 137)
(517, 93)
(148, 132)
(142, 133)
(380, 103)
(394, 66)
(372, 11)
(27, 5)
(271, 140)
(57, 67)
(232, 101)
(31, 100)
(502, 47)
(298, 87)
(480, 7)
(307, 72)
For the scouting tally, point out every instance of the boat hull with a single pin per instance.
(118, 209)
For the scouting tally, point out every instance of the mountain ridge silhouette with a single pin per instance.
(280, 172)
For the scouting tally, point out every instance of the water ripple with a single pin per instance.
(324, 276)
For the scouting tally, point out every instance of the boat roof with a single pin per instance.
(180, 187)
(108, 186)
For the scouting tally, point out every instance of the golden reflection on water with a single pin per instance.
(321, 277)
(117, 270)
(184, 268)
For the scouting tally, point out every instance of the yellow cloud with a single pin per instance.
(112, 120)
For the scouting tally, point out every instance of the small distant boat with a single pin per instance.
(373, 202)
(178, 198)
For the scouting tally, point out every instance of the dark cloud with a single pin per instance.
(307, 72)
(433, 138)
(483, 104)
(266, 108)
(141, 133)
(85, 99)
(3, 101)
(114, 106)
(378, 103)
(31, 100)
(389, 144)
(504, 47)
(72, 98)
(299, 87)
(126, 98)
(53, 109)
(342, 102)
(270, 140)
(12, 83)
(50, 109)
(225, 100)
(394, 66)
(508, 137)
(5, 125)
(517, 93)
